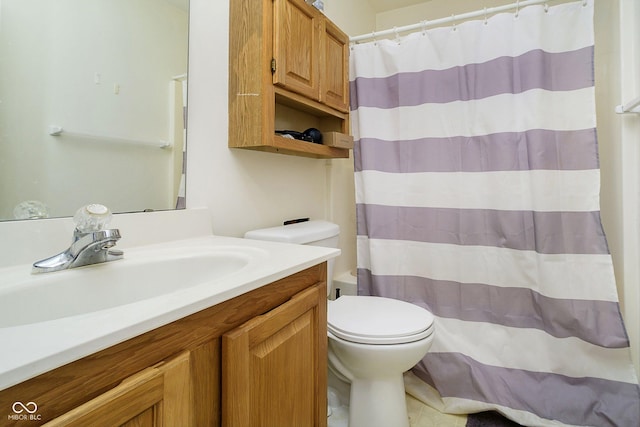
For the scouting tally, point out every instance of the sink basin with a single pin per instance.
(28, 299)
(51, 319)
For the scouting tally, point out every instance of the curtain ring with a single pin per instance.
(395, 30)
(453, 20)
(373, 36)
(485, 16)
(517, 9)
(546, 7)
(423, 24)
(584, 3)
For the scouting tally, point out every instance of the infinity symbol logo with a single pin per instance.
(19, 407)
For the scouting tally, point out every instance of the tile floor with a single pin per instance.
(421, 415)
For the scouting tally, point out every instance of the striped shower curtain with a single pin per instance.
(477, 189)
(181, 199)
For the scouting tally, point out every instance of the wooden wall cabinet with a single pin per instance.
(335, 81)
(288, 69)
(297, 32)
(256, 360)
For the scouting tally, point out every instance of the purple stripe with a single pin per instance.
(536, 69)
(536, 149)
(543, 232)
(576, 401)
(596, 322)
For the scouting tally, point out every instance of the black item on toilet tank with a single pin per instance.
(295, 221)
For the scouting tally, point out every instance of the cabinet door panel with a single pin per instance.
(145, 419)
(335, 76)
(176, 398)
(296, 49)
(157, 396)
(281, 365)
(274, 366)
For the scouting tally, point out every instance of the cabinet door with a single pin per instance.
(296, 47)
(274, 367)
(157, 396)
(334, 81)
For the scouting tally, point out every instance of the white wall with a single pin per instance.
(353, 17)
(246, 189)
(243, 189)
(627, 161)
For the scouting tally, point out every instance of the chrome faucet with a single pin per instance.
(91, 243)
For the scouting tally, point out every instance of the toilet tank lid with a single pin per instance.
(300, 233)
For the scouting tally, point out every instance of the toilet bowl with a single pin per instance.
(372, 340)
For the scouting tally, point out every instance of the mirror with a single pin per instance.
(92, 101)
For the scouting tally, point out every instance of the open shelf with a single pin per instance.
(294, 147)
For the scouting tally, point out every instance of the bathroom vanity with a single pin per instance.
(257, 358)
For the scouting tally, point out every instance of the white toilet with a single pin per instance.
(372, 340)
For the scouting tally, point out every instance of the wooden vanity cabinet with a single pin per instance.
(288, 70)
(256, 360)
(157, 396)
(269, 378)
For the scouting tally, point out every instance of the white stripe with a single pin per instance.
(533, 109)
(474, 42)
(570, 356)
(572, 191)
(567, 276)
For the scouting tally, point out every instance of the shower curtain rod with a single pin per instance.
(425, 24)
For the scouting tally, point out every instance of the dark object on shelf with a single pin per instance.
(310, 135)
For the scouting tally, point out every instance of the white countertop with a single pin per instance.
(32, 349)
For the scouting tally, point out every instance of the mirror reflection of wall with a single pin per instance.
(112, 75)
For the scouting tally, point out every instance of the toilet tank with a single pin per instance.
(314, 233)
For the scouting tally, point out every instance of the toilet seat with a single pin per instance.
(378, 320)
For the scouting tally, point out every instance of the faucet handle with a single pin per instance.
(93, 217)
